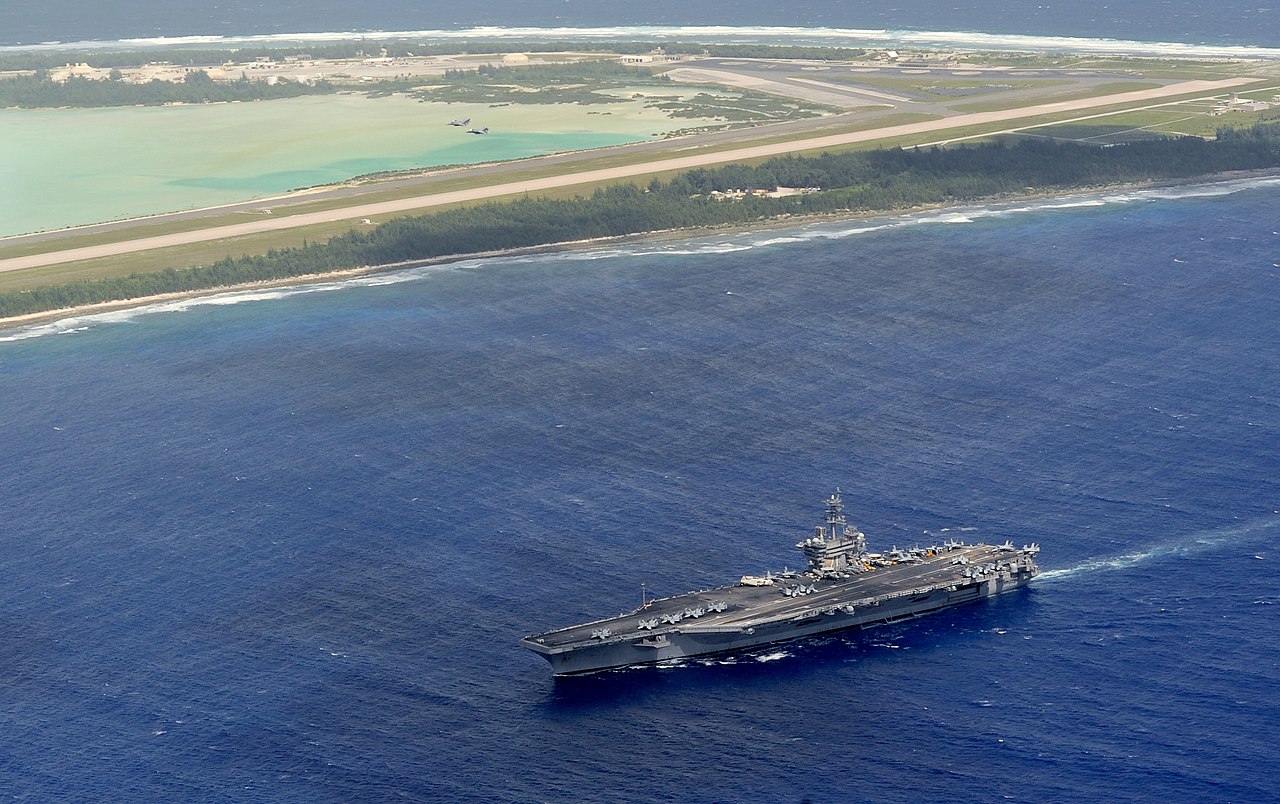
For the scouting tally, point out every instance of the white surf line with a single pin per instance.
(846, 37)
(355, 213)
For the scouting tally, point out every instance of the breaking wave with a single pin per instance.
(828, 230)
(86, 321)
(843, 37)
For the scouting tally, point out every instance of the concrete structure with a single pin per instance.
(80, 70)
(1238, 104)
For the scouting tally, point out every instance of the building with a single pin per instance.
(81, 70)
(1238, 104)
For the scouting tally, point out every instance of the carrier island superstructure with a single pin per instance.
(844, 587)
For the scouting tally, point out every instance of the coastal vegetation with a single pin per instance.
(602, 82)
(40, 91)
(204, 57)
(584, 83)
(578, 82)
(552, 83)
(837, 183)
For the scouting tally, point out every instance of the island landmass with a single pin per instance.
(973, 158)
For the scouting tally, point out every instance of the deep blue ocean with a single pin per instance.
(1227, 22)
(280, 546)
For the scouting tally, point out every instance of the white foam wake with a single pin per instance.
(1196, 543)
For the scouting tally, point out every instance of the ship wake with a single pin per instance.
(1190, 545)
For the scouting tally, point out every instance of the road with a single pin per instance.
(358, 211)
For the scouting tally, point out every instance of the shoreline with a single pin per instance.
(658, 236)
(902, 36)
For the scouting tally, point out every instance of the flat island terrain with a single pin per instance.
(144, 174)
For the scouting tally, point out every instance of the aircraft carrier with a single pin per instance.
(844, 587)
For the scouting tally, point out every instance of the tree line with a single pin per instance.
(553, 72)
(881, 180)
(209, 57)
(40, 91)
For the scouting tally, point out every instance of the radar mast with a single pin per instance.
(836, 546)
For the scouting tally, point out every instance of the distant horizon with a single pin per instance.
(1231, 22)
(813, 36)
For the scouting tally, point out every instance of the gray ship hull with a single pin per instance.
(784, 608)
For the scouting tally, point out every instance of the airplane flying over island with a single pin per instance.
(460, 122)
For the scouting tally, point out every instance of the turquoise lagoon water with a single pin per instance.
(68, 167)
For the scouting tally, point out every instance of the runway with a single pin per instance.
(358, 211)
